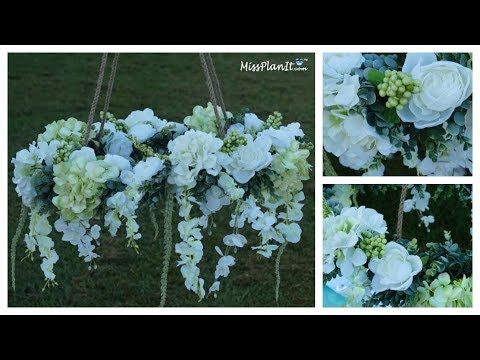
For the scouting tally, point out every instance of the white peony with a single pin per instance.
(395, 270)
(444, 86)
(190, 153)
(247, 159)
(338, 64)
(144, 124)
(118, 161)
(353, 140)
(341, 92)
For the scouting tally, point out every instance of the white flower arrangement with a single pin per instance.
(361, 268)
(417, 106)
(88, 189)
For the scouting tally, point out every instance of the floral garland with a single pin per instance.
(258, 170)
(418, 106)
(362, 268)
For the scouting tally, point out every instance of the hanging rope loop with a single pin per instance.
(216, 97)
(96, 96)
(403, 195)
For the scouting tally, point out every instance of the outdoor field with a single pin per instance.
(47, 87)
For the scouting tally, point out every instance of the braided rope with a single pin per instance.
(96, 96)
(216, 86)
(211, 90)
(111, 81)
(403, 195)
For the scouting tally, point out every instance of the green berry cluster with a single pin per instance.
(119, 124)
(64, 151)
(373, 245)
(274, 121)
(399, 87)
(233, 140)
(110, 116)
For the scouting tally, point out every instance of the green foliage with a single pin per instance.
(447, 257)
(374, 76)
(464, 59)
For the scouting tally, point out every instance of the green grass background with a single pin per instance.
(450, 212)
(47, 87)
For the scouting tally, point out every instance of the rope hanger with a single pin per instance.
(96, 96)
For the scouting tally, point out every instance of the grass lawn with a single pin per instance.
(47, 87)
(450, 213)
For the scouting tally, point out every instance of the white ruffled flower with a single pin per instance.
(223, 264)
(190, 153)
(395, 270)
(215, 199)
(350, 138)
(119, 144)
(117, 161)
(228, 185)
(355, 288)
(144, 171)
(237, 240)
(291, 232)
(444, 86)
(26, 162)
(343, 231)
(265, 250)
(247, 159)
(282, 138)
(341, 92)
(252, 122)
(453, 161)
(338, 64)
(144, 124)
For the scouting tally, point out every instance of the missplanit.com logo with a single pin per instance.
(298, 64)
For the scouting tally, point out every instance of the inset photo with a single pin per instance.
(161, 179)
(397, 246)
(397, 114)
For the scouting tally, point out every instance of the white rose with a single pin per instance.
(247, 159)
(341, 92)
(119, 144)
(395, 270)
(338, 64)
(444, 86)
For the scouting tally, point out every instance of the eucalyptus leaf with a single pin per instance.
(459, 118)
(453, 129)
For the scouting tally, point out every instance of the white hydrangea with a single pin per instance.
(247, 159)
(341, 92)
(26, 162)
(282, 138)
(190, 153)
(350, 138)
(117, 143)
(144, 124)
(343, 231)
(144, 171)
(453, 161)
